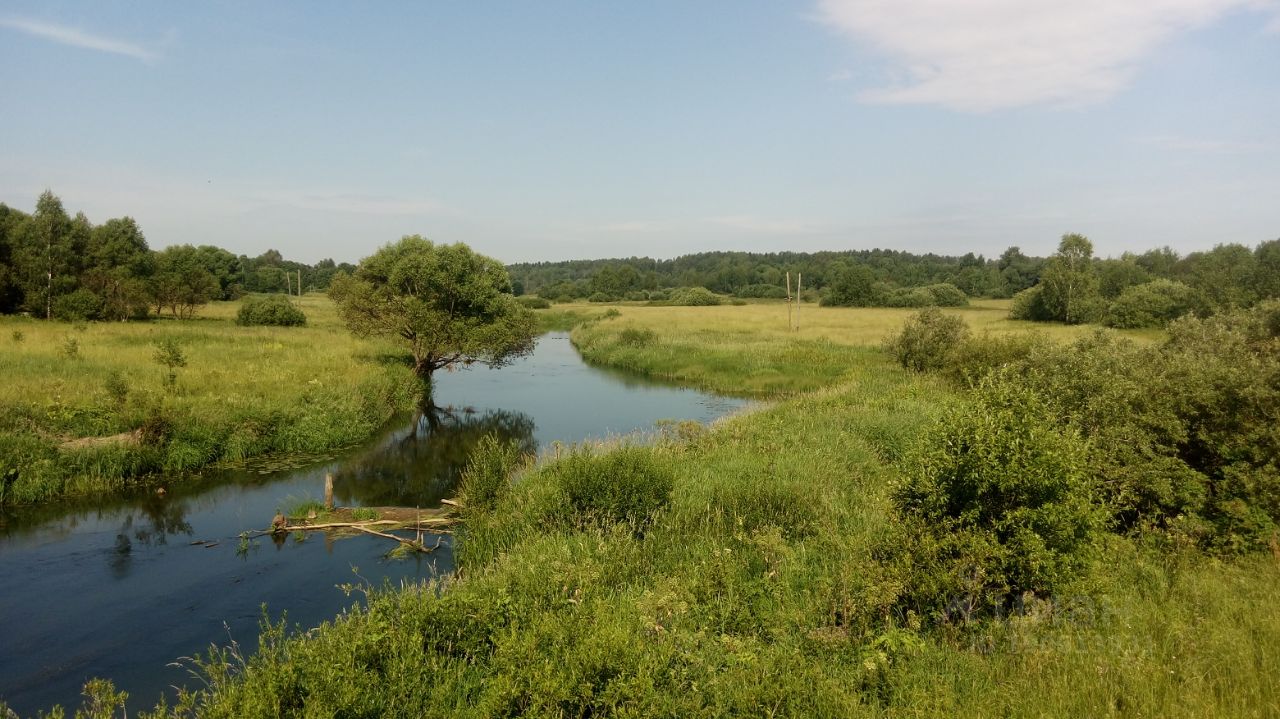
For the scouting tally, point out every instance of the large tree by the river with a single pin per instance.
(449, 304)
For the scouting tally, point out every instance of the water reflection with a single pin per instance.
(422, 463)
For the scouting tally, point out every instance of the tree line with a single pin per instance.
(1070, 286)
(53, 265)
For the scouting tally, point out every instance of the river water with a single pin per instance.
(126, 588)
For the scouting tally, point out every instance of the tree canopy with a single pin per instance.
(448, 303)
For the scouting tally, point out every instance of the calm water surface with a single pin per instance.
(121, 590)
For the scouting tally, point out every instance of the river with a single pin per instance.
(126, 588)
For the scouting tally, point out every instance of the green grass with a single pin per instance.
(747, 350)
(760, 586)
(107, 418)
(758, 591)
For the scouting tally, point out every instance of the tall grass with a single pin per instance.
(108, 416)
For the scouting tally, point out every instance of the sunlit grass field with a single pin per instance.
(747, 350)
(87, 407)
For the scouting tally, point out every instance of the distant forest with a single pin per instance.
(53, 265)
(59, 266)
(1229, 275)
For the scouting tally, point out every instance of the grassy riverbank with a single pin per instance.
(769, 581)
(762, 567)
(87, 409)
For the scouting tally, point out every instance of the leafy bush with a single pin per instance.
(636, 296)
(534, 302)
(1029, 305)
(927, 340)
(976, 357)
(637, 337)
(1153, 304)
(623, 486)
(274, 310)
(946, 294)
(694, 297)
(602, 297)
(999, 503)
(909, 297)
(77, 306)
(487, 475)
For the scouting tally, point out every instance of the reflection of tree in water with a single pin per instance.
(420, 467)
(158, 519)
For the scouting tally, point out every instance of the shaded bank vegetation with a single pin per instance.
(1021, 533)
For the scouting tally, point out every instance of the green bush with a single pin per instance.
(946, 294)
(625, 485)
(976, 357)
(1153, 304)
(637, 337)
(602, 297)
(1029, 305)
(694, 297)
(534, 302)
(927, 340)
(77, 306)
(909, 297)
(486, 478)
(270, 310)
(998, 504)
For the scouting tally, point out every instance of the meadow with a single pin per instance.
(89, 408)
(763, 567)
(748, 350)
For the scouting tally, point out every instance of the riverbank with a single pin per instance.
(86, 409)
(765, 582)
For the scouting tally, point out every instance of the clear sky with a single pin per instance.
(561, 130)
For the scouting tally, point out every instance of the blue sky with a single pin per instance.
(559, 130)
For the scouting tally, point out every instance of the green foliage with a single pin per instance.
(17, 336)
(602, 297)
(77, 306)
(927, 340)
(170, 355)
(448, 303)
(637, 337)
(1153, 304)
(487, 476)
(364, 514)
(1000, 503)
(534, 302)
(853, 287)
(274, 310)
(623, 486)
(693, 297)
(1029, 305)
(762, 291)
(1069, 283)
(70, 347)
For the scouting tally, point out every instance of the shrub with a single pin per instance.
(927, 340)
(946, 294)
(169, 354)
(77, 306)
(274, 310)
(70, 348)
(694, 297)
(602, 297)
(977, 357)
(486, 478)
(909, 297)
(534, 302)
(1029, 305)
(623, 486)
(1153, 304)
(637, 337)
(998, 504)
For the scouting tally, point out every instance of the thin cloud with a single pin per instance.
(74, 37)
(984, 55)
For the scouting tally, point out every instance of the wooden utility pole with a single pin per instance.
(797, 301)
(789, 323)
(299, 283)
(288, 284)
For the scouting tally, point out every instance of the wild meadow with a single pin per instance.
(93, 407)
(881, 543)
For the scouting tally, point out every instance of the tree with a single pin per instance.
(853, 287)
(181, 282)
(448, 303)
(46, 255)
(1070, 284)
